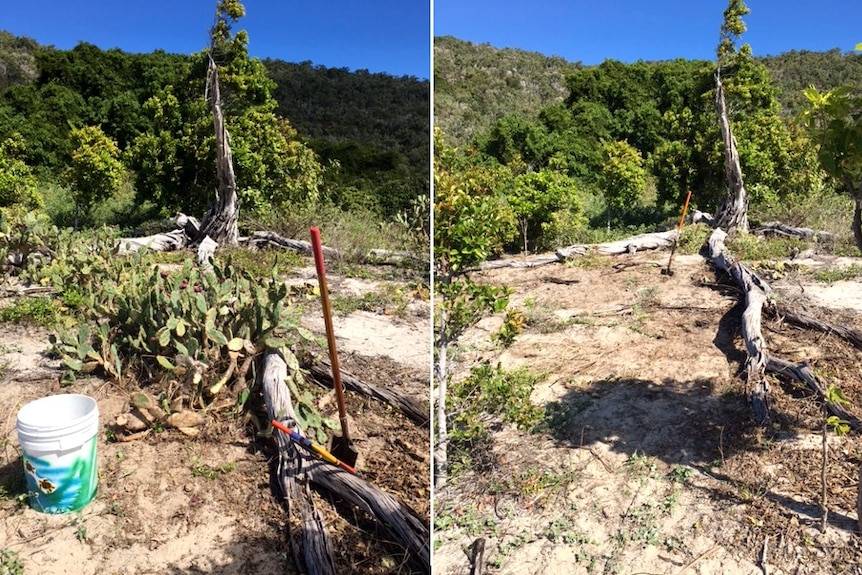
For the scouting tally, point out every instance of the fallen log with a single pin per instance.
(297, 469)
(313, 547)
(779, 229)
(412, 407)
(755, 291)
(630, 245)
(806, 321)
(261, 239)
(164, 242)
(759, 360)
(531, 262)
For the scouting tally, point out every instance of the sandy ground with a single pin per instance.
(173, 504)
(652, 463)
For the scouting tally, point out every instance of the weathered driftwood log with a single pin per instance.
(206, 251)
(164, 242)
(262, 239)
(393, 517)
(779, 229)
(759, 361)
(755, 291)
(629, 245)
(530, 262)
(417, 410)
(699, 217)
(800, 319)
(313, 547)
(803, 374)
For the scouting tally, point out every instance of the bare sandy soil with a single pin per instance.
(652, 463)
(168, 503)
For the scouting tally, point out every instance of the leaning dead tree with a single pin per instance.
(733, 213)
(220, 221)
(298, 471)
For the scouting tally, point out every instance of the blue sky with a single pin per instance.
(631, 30)
(391, 36)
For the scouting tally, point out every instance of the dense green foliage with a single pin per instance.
(477, 84)
(567, 119)
(375, 126)
(370, 151)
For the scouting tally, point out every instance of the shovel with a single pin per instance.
(341, 446)
(668, 271)
(313, 447)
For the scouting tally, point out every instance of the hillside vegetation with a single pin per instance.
(301, 133)
(577, 153)
(478, 84)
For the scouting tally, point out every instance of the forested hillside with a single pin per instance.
(570, 151)
(375, 125)
(356, 140)
(477, 84)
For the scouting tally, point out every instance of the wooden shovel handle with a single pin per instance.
(317, 249)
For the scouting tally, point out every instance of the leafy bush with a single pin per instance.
(126, 317)
(487, 396)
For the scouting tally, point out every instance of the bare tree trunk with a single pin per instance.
(312, 546)
(857, 218)
(442, 372)
(733, 213)
(220, 221)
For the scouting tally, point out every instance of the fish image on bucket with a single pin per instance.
(58, 437)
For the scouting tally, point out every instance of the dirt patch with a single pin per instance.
(168, 503)
(651, 462)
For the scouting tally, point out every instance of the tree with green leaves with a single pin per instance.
(834, 120)
(472, 220)
(175, 160)
(96, 171)
(536, 196)
(622, 178)
(733, 213)
(19, 187)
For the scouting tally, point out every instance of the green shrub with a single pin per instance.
(489, 395)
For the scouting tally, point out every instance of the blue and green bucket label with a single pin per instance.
(62, 484)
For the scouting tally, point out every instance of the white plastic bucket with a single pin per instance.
(58, 437)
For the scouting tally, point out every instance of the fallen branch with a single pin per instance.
(415, 409)
(625, 246)
(808, 322)
(755, 291)
(779, 229)
(298, 468)
(803, 374)
(261, 239)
